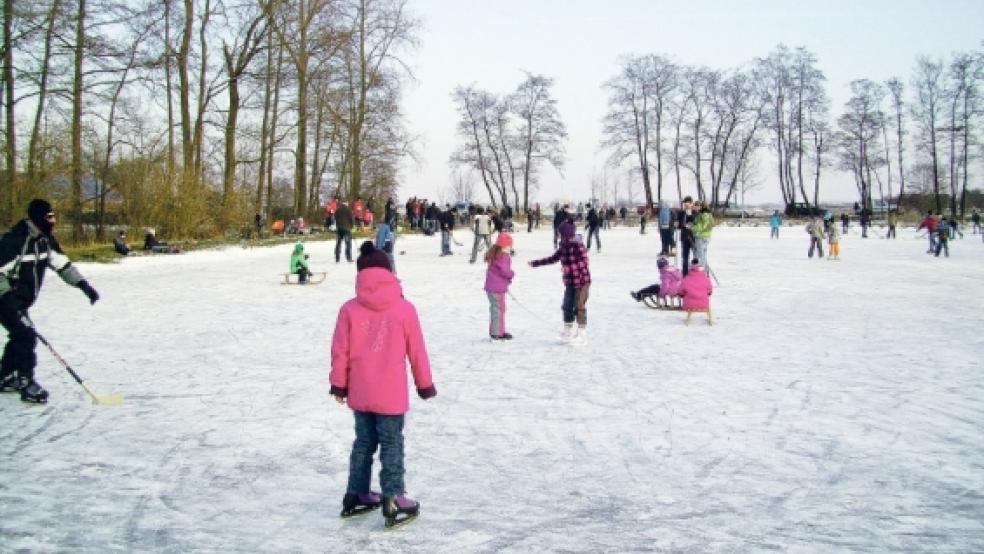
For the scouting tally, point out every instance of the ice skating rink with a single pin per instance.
(834, 406)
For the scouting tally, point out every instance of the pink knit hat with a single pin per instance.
(504, 241)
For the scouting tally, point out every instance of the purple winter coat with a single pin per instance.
(670, 280)
(499, 274)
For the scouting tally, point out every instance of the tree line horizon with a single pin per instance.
(179, 114)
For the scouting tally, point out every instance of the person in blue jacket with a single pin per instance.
(386, 241)
(775, 222)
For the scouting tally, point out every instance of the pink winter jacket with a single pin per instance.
(669, 281)
(696, 290)
(499, 274)
(375, 333)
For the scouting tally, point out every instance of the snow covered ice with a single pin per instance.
(834, 406)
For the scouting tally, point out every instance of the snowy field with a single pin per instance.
(834, 406)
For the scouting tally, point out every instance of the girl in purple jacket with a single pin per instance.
(497, 278)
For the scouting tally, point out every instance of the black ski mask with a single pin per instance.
(37, 212)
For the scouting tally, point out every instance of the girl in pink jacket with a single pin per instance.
(696, 289)
(497, 278)
(375, 333)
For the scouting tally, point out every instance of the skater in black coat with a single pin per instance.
(26, 251)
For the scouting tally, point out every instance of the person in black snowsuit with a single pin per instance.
(120, 245)
(560, 215)
(685, 221)
(594, 224)
(344, 221)
(25, 252)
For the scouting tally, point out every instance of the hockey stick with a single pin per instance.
(107, 400)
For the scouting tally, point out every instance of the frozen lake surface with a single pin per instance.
(834, 406)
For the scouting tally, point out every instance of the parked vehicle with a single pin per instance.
(802, 209)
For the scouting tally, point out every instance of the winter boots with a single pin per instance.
(32, 391)
(29, 389)
(355, 504)
(399, 510)
(9, 383)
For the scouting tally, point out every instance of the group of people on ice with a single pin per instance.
(940, 230)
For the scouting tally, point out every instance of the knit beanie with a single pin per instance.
(566, 230)
(37, 212)
(662, 262)
(504, 241)
(370, 256)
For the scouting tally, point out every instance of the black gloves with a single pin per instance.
(89, 291)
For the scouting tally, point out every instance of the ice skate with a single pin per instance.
(581, 338)
(567, 334)
(10, 383)
(399, 510)
(355, 504)
(31, 391)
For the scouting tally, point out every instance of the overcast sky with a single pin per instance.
(489, 43)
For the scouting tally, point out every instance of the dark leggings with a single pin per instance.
(18, 354)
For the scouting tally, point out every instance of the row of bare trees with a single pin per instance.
(507, 139)
(192, 115)
(702, 127)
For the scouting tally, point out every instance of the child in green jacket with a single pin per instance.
(299, 263)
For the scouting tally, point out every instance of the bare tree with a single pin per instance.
(541, 130)
(927, 112)
(10, 121)
(381, 30)
(965, 73)
(860, 129)
(480, 119)
(896, 89)
(638, 103)
(237, 57)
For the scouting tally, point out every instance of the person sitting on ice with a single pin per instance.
(696, 289)
(120, 245)
(299, 263)
(668, 286)
(160, 247)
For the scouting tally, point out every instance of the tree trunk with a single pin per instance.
(32, 150)
(77, 125)
(169, 85)
(13, 190)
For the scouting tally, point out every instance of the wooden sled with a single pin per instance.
(707, 311)
(315, 278)
(662, 302)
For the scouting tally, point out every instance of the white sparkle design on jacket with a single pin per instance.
(380, 339)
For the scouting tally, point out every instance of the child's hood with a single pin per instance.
(377, 288)
(299, 248)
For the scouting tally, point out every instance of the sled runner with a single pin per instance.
(314, 279)
(661, 302)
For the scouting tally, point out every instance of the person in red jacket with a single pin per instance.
(375, 333)
(930, 223)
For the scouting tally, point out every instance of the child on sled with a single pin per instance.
(299, 264)
(668, 287)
